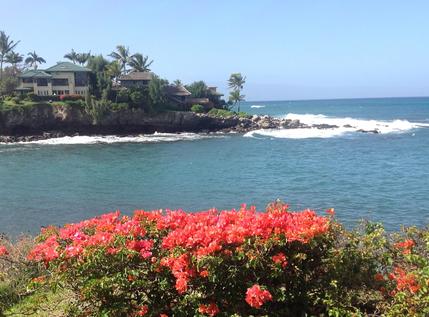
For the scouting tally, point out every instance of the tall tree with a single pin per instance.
(98, 64)
(235, 97)
(113, 70)
(6, 46)
(198, 89)
(122, 56)
(139, 63)
(236, 82)
(72, 56)
(33, 59)
(82, 58)
(14, 58)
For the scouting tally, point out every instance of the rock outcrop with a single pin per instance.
(46, 121)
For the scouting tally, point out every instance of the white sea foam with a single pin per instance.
(257, 106)
(108, 139)
(345, 126)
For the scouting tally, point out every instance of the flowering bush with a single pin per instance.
(235, 263)
(71, 97)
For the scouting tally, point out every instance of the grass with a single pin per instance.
(43, 303)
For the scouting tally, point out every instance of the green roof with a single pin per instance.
(35, 73)
(67, 67)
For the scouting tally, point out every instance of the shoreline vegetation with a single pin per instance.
(98, 95)
(229, 263)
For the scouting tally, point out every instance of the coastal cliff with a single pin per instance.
(45, 121)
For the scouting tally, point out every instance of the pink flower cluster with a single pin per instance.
(174, 239)
(256, 296)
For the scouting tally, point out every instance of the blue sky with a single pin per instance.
(300, 49)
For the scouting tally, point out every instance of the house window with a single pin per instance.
(67, 92)
(42, 82)
(60, 82)
(27, 80)
(80, 79)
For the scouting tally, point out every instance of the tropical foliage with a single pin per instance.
(33, 60)
(236, 83)
(229, 263)
(6, 47)
(139, 63)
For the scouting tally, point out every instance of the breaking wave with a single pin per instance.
(257, 106)
(109, 139)
(344, 126)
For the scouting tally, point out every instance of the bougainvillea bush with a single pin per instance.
(234, 263)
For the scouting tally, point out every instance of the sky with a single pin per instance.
(302, 49)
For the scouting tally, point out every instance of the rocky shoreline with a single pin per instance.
(46, 122)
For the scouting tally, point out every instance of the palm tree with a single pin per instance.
(178, 83)
(33, 59)
(14, 58)
(122, 56)
(139, 63)
(82, 58)
(236, 81)
(72, 56)
(236, 98)
(113, 70)
(6, 46)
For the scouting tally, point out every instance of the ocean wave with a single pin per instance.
(257, 106)
(109, 139)
(345, 126)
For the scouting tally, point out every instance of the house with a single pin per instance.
(212, 91)
(135, 79)
(178, 94)
(64, 78)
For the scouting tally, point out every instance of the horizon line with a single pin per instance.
(339, 98)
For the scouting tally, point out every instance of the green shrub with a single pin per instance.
(16, 272)
(122, 96)
(137, 97)
(197, 108)
(119, 106)
(31, 96)
(222, 113)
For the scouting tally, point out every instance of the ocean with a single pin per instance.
(381, 177)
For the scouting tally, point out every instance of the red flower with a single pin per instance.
(280, 259)
(379, 277)
(3, 250)
(404, 281)
(405, 246)
(210, 310)
(143, 310)
(330, 211)
(204, 273)
(256, 297)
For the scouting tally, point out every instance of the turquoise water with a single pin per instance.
(382, 177)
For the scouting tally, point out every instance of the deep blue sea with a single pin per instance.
(381, 177)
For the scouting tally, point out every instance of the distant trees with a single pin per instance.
(33, 59)
(72, 56)
(14, 58)
(157, 93)
(6, 46)
(80, 58)
(198, 89)
(236, 83)
(139, 63)
(122, 56)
